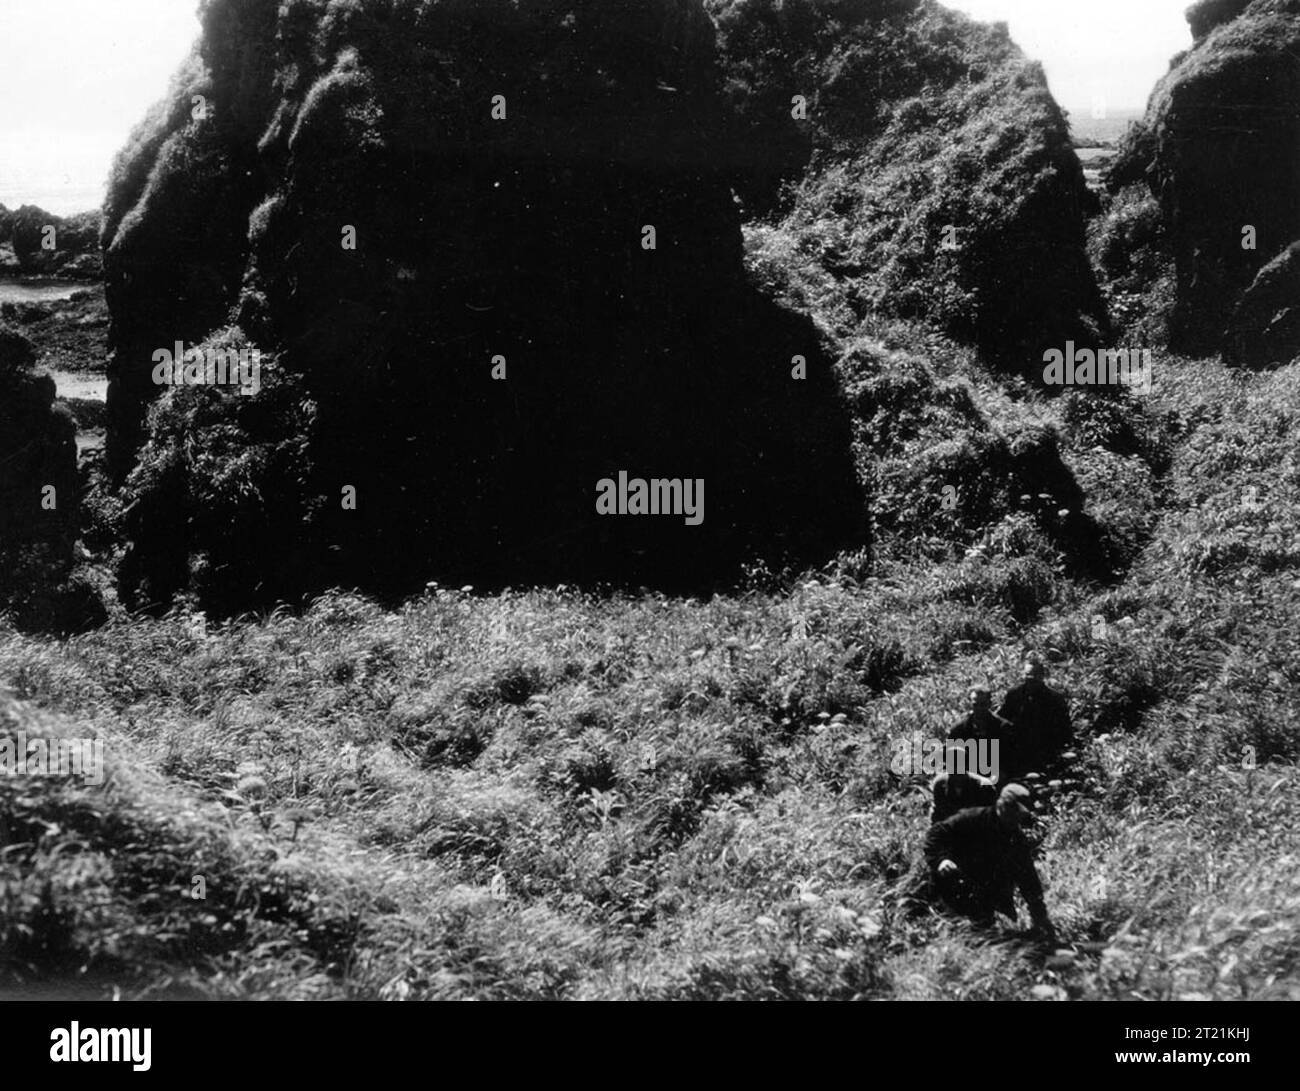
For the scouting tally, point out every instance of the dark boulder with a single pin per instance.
(477, 238)
(49, 245)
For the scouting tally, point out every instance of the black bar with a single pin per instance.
(259, 1042)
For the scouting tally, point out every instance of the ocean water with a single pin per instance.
(1103, 130)
(63, 173)
(72, 384)
(20, 290)
(63, 197)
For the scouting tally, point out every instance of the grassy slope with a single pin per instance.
(661, 790)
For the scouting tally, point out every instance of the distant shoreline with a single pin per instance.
(49, 203)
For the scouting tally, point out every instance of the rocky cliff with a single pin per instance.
(1220, 149)
(496, 246)
(930, 172)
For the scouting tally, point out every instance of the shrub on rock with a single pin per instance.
(1264, 328)
(216, 504)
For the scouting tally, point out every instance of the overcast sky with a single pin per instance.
(76, 75)
(1113, 48)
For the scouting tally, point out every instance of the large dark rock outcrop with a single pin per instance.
(1220, 149)
(477, 237)
(935, 177)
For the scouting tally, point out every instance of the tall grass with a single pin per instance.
(558, 794)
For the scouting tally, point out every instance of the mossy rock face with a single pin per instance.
(1205, 15)
(1218, 149)
(48, 245)
(1264, 330)
(933, 173)
(295, 131)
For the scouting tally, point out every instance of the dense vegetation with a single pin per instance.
(928, 172)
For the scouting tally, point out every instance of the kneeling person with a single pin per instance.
(978, 858)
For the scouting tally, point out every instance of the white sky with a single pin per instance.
(1116, 49)
(76, 75)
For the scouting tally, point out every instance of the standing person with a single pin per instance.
(984, 725)
(1040, 717)
(964, 783)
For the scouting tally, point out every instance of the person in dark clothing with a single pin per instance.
(955, 792)
(983, 724)
(1040, 718)
(961, 785)
(977, 859)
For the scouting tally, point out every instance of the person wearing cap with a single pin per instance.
(1040, 718)
(978, 858)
